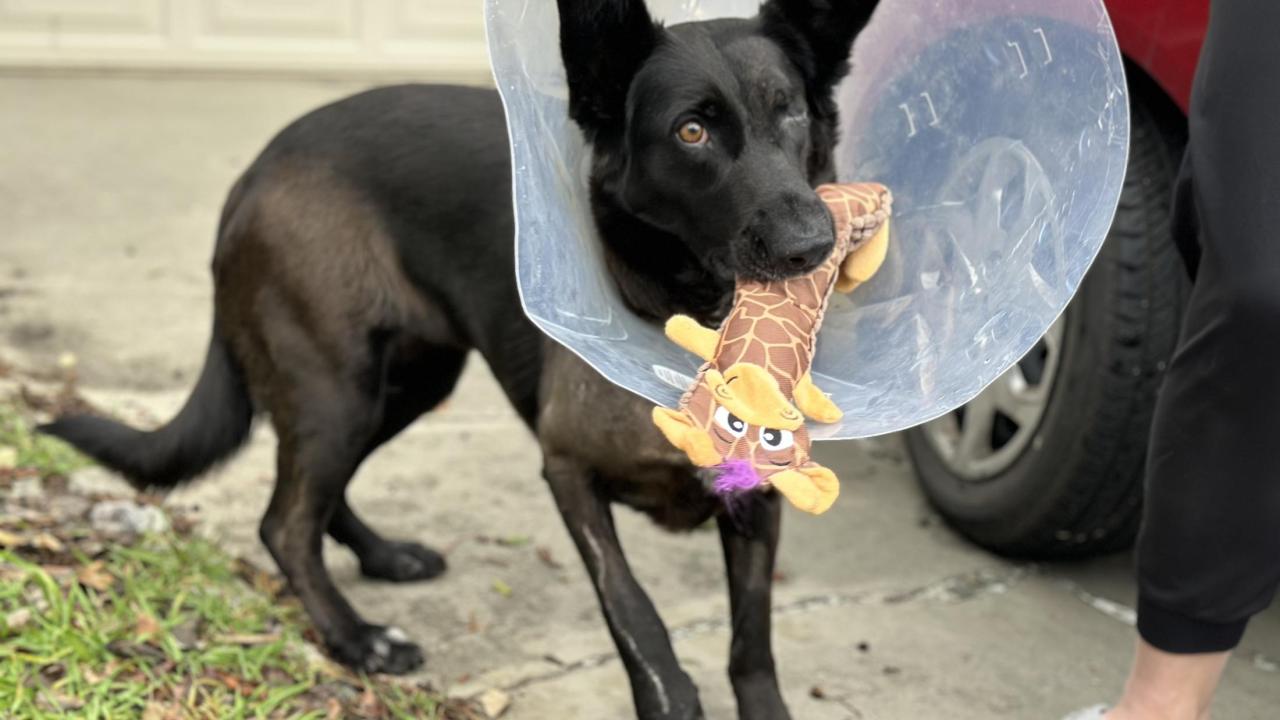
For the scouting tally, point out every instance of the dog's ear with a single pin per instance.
(817, 34)
(603, 43)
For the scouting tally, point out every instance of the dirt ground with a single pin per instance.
(109, 195)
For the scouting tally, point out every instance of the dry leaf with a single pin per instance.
(494, 702)
(67, 702)
(473, 623)
(334, 711)
(234, 684)
(53, 672)
(544, 554)
(502, 588)
(157, 711)
(187, 633)
(8, 539)
(128, 650)
(96, 576)
(247, 639)
(45, 541)
(18, 619)
(261, 580)
(61, 574)
(8, 457)
(56, 702)
(145, 627)
(369, 705)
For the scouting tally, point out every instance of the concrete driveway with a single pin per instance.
(109, 195)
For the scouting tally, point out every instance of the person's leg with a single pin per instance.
(1169, 686)
(1209, 551)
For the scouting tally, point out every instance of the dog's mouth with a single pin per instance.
(753, 261)
(749, 258)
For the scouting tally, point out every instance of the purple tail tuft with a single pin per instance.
(736, 476)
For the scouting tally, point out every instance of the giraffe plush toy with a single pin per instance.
(745, 412)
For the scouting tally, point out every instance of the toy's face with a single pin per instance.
(768, 449)
(746, 417)
(727, 421)
(713, 434)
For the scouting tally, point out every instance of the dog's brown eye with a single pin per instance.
(692, 133)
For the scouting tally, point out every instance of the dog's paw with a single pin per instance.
(402, 562)
(379, 649)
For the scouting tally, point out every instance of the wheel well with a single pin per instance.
(1144, 90)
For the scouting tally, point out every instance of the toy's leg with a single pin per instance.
(750, 544)
(814, 403)
(688, 334)
(865, 261)
(662, 691)
(810, 487)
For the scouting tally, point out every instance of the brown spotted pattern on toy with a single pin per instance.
(745, 412)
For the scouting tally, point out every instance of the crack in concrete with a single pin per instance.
(951, 589)
(1129, 616)
(844, 703)
(1112, 609)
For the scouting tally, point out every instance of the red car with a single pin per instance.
(1048, 461)
(1162, 37)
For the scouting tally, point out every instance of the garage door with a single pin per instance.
(411, 37)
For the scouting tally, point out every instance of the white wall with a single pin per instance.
(425, 38)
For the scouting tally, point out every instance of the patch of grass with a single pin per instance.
(159, 627)
(47, 455)
(173, 632)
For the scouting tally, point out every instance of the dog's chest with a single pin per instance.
(610, 433)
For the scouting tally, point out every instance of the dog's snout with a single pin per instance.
(805, 253)
(793, 237)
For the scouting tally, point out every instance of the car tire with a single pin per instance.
(1047, 463)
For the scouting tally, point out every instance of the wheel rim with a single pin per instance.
(986, 437)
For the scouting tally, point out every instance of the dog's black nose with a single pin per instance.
(790, 236)
(804, 254)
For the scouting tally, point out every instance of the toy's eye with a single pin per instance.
(775, 439)
(733, 424)
(692, 133)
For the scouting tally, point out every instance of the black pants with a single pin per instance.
(1209, 552)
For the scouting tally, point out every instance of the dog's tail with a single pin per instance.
(212, 424)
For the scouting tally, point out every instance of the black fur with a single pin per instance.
(363, 256)
(604, 43)
(212, 424)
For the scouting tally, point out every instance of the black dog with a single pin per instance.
(360, 258)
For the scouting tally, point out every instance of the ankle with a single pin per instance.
(1134, 706)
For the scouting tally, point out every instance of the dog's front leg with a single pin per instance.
(750, 540)
(660, 688)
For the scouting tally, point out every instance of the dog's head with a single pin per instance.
(714, 132)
